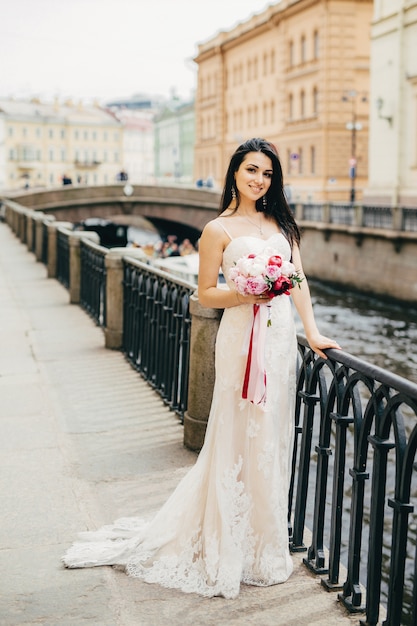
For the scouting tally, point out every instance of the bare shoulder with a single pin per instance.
(214, 228)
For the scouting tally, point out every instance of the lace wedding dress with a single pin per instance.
(226, 522)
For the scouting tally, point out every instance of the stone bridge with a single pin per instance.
(162, 206)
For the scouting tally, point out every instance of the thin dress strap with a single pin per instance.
(225, 230)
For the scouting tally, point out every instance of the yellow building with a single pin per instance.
(41, 144)
(298, 75)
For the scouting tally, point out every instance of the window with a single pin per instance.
(300, 160)
(86, 135)
(302, 104)
(312, 159)
(76, 134)
(316, 44)
(290, 106)
(255, 69)
(63, 155)
(273, 62)
(291, 53)
(62, 133)
(51, 154)
(315, 101)
(303, 49)
(25, 131)
(10, 131)
(288, 161)
(51, 133)
(272, 116)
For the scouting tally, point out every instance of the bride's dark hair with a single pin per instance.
(276, 202)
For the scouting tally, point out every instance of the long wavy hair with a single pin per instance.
(276, 202)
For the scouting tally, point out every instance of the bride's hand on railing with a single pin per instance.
(318, 343)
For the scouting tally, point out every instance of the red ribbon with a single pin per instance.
(254, 382)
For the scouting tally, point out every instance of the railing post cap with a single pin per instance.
(76, 236)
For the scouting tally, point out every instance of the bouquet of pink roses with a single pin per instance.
(265, 273)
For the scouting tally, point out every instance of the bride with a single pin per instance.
(226, 522)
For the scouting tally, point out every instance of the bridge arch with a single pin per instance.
(188, 208)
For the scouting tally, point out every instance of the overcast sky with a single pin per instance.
(108, 48)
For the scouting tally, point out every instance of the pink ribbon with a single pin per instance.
(254, 383)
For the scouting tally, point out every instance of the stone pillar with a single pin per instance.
(30, 218)
(325, 213)
(113, 333)
(21, 226)
(299, 212)
(75, 262)
(358, 217)
(39, 222)
(52, 245)
(204, 327)
(397, 218)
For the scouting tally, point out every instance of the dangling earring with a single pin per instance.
(264, 203)
(233, 193)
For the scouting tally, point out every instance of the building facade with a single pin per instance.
(298, 75)
(136, 115)
(393, 114)
(46, 145)
(174, 131)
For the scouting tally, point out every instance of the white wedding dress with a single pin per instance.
(226, 522)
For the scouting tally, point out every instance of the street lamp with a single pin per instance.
(353, 126)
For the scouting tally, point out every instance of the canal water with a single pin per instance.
(382, 333)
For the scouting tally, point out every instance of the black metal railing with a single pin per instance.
(93, 280)
(312, 212)
(377, 217)
(33, 230)
(63, 259)
(45, 243)
(156, 330)
(342, 214)
(409, 219)
(358, 420)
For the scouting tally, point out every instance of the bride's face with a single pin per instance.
(253, 178)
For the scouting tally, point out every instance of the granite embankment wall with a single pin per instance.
(381, 262)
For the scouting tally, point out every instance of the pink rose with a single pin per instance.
(273, 272)
(255, 285)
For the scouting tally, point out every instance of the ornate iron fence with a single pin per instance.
(342, 214)
(409, 219)
(313, 212)
(44, 258)
(93, 281)
(377, 217)
(63, 259)
(156, 330)
(363, 422)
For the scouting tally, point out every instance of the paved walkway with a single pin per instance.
(84, 440)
